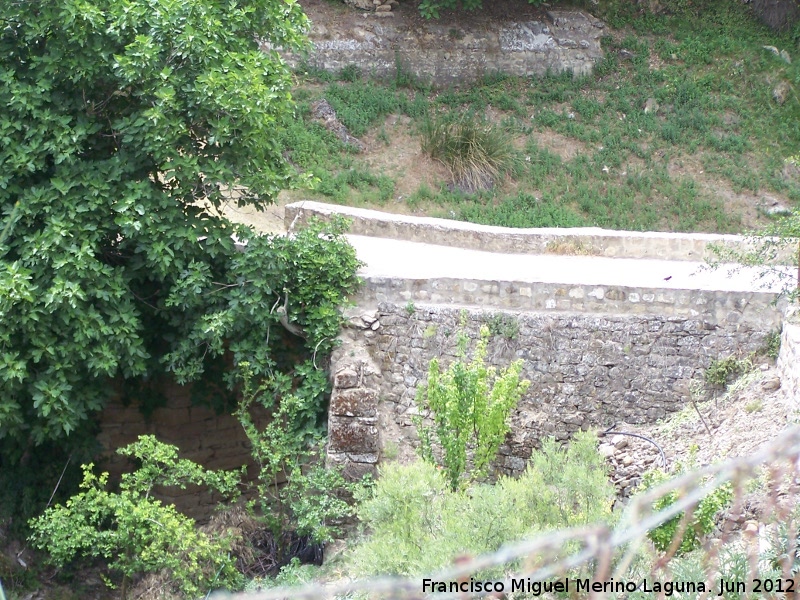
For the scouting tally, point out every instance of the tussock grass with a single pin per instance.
(475, 153)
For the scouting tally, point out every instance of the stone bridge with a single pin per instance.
(611, 326)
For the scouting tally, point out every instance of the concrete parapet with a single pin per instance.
(591, 241)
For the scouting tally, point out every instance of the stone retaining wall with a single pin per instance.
(562, 40)
(714, 308)
(789, 357)
(586, 371)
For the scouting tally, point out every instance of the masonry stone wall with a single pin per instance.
(585, 370)
(445, 53)
(216, 441)
(789, 357)
(761, 310)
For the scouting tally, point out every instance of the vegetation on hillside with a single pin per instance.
(418, 523)
(686, 125)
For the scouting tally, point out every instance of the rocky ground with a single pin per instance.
(725, 425)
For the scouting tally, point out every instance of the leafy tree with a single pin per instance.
(125, 127)
(470, 403)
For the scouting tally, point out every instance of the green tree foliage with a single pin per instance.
(471, 403)
(125, 128)
(127, 124)
(137, 534)
(124, 125)
(418, 524)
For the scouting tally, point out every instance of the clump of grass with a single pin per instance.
(475, 153)
(754, 406)
(521, 210)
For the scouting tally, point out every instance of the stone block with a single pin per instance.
(353, 471)
(355, 402)
(345, 378)
(352, 435)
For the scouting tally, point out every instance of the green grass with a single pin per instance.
(717, 128)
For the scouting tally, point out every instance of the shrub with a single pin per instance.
(418, 524)
(476, 154)
(136, 533)
(431, 9)
(721, 372)
(772, 345)
(471, 403)
(503, 325)
(702, 519)
(287, 447)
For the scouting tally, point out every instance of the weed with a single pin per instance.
(772, 344)
(383, 137)
(350, 73)
(522, 210)
(569, 248)
(701, 521)
(313, 72)
(404, 78)
(361, 104)
(503, 325)
(754, 406)
(455, 34)
(423, 194)
(430, 331)
(410, 308)
(723, 371)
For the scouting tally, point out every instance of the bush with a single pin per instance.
(476, 154)
(721, 372)
(772, 345)
(471, 403)
(431, 9)
(137, 534)
(418, 524)
(287, 448)
(702, 519)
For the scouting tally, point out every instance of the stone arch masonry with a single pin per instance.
(595, 354)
